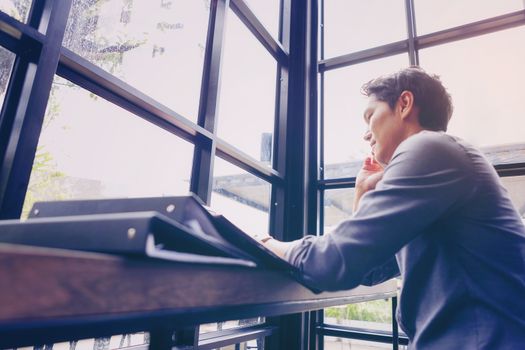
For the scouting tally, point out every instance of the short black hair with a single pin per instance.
(430, 96)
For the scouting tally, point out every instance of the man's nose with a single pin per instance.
(367, 136)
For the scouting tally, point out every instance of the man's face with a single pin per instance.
(385, 130)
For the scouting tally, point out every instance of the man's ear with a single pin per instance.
(405, 104)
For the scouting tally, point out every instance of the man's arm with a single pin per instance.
(366, 180)
(428, 176)
(382, 273)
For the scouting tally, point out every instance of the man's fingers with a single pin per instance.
(371, 164)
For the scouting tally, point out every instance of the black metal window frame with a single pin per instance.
(40, 56)
(31, 45)
(411, 46)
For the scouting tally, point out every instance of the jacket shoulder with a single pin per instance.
(432, 150)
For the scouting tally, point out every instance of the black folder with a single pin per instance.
(188, 211)
(138, 234)
(178, 228)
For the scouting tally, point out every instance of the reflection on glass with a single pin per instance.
(485, 77)
(240, 196)
(267, 11)
(18, 9)
(247, 96)
(6, 65)
(515, 185)
(156, 47)
(90, 148)
(337, 207)
(343, 114)
(432, 16)
(356, 25)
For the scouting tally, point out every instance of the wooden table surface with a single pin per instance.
(43, 289)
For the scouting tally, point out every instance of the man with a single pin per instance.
(430, 207)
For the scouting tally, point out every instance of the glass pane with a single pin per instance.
(515, 185)
(353, 25)
(90, 148)
(6, 66)
(244, 199)
(432, 16)
(335, 343)
(375, 314)
(247, 96)
(156, 47)
(337, 207)
(240, 196)
(18, 9)
(344, 147)
(267, 11)
(488, 101)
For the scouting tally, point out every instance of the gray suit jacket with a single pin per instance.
(440, 215)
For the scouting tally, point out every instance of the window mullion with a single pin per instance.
(202, 172)
(26, 106)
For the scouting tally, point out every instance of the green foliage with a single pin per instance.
(45, 181)
(84, 38)
(372, 311)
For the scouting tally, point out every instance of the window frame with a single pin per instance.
(33, 49)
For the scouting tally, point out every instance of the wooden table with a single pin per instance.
(48, 294)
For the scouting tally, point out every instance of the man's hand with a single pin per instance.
(279, 248)
(369, 175)
(367, 179)
(261, 238)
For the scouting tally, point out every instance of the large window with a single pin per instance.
(90, 148)
(134, 92)
(161, 53)
(247, 96)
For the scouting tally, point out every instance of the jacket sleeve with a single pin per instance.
(381, 273)
(428, 177)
